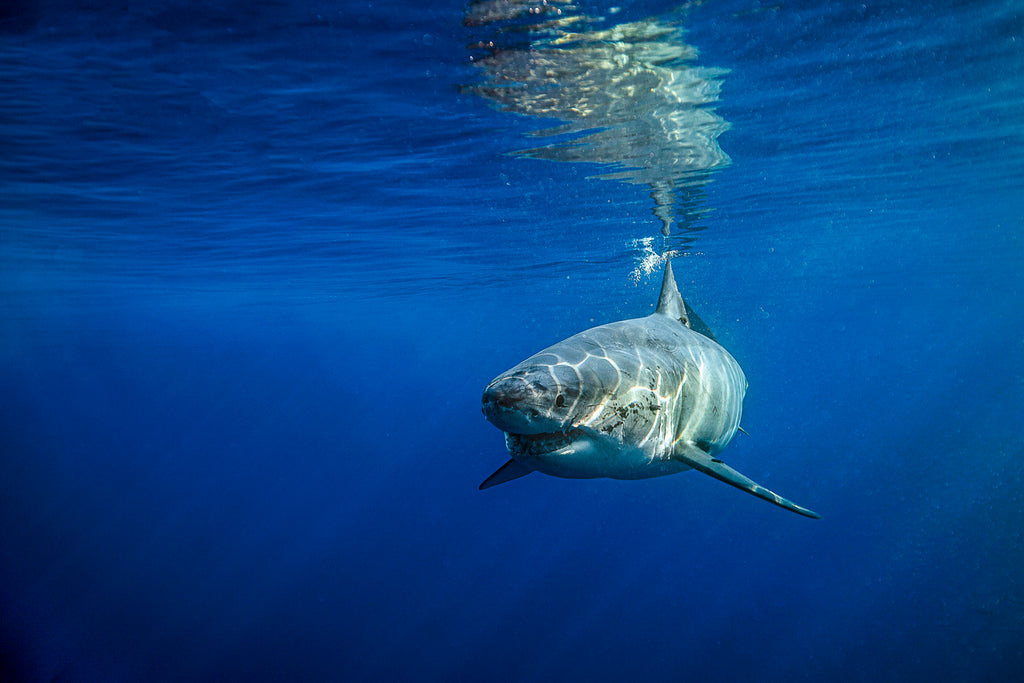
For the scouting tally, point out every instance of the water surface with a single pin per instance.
(257, 265)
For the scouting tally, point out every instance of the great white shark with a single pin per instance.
(627, 400)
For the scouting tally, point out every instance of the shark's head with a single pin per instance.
(543, 406)
(530, 400)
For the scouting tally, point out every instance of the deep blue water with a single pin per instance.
(258, 262)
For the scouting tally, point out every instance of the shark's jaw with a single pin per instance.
(525, 446)
(576, 453)
(582, 453)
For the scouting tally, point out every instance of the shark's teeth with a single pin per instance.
(539, 444)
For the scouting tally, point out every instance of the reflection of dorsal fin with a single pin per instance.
(671, 303)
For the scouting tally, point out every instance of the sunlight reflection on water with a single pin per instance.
(628, 94)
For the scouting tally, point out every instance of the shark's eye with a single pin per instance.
(560, 400)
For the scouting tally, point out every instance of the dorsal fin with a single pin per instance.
(671, 303)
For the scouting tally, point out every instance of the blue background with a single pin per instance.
(258, 261)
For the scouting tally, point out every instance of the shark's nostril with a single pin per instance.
(503, 397)
(507, 392)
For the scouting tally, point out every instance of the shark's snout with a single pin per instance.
(512, 405)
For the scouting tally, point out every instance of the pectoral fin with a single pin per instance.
(700, 460)
(507, 472)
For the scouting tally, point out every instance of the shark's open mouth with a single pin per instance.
(539, 444)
